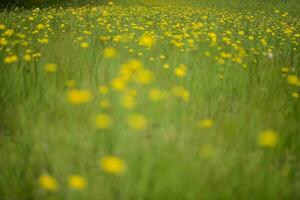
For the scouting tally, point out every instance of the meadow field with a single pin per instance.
(161, 101)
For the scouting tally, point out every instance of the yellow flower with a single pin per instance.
(27, 57)
(9, 32)
(77, 97)
(110, 53)
(162, 56)
(21, 35)
(43, 40)
(133, 65)
(36, 55)
(118, 84)
(293, 80)
(137, 122)
(40, 26)
(103, 121)
(295, 94)
(11, 59)
(48, 182)
(87, 32)
(180, 71)
(112, 165)
(284, 69)
(213, 37)
(77, 182)
(241, 33)
(50, 68)
(104, 38)
(251, 37)
(182, 93)
(268, 139)
(128, 101)
(143, 76)
(84, 45)
(2, 27)
(206, 123)
(147, 41)
(166, 66)
(156, 94)
(225, 55)
(3, 41)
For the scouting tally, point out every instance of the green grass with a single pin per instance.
(240, 85)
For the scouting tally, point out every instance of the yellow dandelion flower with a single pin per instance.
(40, 27)
(241, 33)
(295, 94)
(110, 53)
(284, 69)
(166, 66)
(21, 35)
(206, 123)
(43, 40)
(27, 57)
(251, 37)
(103, 121)
(137, 122)
(147, 41)
(180, 92)
(76, 96)
(162, 56)
(268, 139)
(112, 165)
(128, 101)
(36, 55)
(87, 32)
(9, 32)
(2, 27)
(50, 68)
(213, 37)
(77, 182)
(293, 80)
(104, 38)
(180, 71)
(48, 182)
(118, 84)
(11, 59)
(134, 65)
(156, 94)
(143, 76)
(3, 41)
(84, 45)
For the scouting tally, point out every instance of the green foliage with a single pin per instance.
(227, 76)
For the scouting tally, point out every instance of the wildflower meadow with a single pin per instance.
(150, 100)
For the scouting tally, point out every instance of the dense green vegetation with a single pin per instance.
(198, 100)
